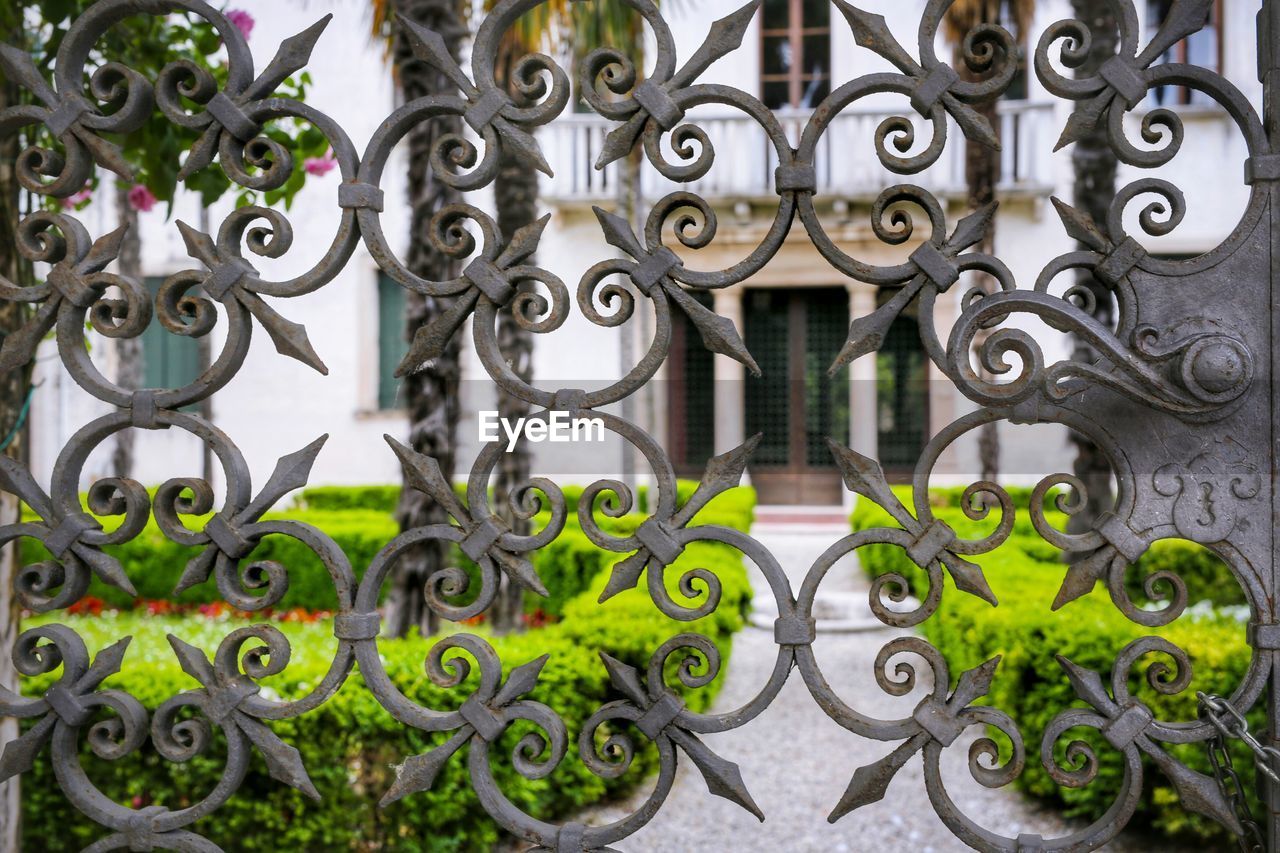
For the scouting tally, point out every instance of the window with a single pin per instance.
(795, 60)
(392, 345)
(1203, 48)
(168, 360)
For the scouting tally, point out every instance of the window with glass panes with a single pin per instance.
(795, 61)
(1203, 48)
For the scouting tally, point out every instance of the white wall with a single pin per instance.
(275, 405)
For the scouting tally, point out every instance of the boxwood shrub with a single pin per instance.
(383, 498)
(350, 745)
(567, 565)
(1032, 688)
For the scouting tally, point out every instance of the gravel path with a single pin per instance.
(797, 762)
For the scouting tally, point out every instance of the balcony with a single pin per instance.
(847, 167)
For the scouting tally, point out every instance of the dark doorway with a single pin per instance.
(691, 408)
(794, 335)
(902, 398)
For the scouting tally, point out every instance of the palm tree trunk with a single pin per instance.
(982, 174)
(431, 395)
(1094, 163)
(14, 388)
(516, 197)
(128, 350)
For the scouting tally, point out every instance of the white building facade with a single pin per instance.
(790, 314)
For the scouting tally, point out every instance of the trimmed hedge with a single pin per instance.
(567, 565)
(384, 498)
(350, 744)
(1031, 687)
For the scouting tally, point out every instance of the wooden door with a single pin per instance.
(794, 335)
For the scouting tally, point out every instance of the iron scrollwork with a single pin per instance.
(1153, 362)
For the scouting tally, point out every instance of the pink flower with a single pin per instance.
(320, 166)
(242, 21)
(78, 199)
(141, 198)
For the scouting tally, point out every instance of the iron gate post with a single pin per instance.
(1268, 35)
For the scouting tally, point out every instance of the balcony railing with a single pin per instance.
(846, 163)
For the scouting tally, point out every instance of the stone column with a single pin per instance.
(730, 390)
(863, 433)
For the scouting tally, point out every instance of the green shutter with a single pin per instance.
(391, 340)
(168, 360)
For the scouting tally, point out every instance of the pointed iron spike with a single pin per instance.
(19, 754)
(868, 28)
(106, 154)
(291, 56)
(1079, 225)
(617, 232)
(290, 338)
(523, 144)
(969, 577)
(194, 661)
(523, 243)
(624, 678)
(429, 341)
(291, 472)
(619, 141)
(1082, 576)
(975, 683)
(520, 681)
(718, 333)
(870, 782)
(196, 571)
(198, 244)
(971, 228)
(103, 251)
(19, 347)
(723, 777)
(284, 762)
(423, 473)
(418, 772)
(724, 36)
(18, 67)
(1083, 119)
(109, 660)
(624, 575)
(1197, 792)
(429, 46)
(1087, 685)
(520, 570)
(201, 153)
(296, 50)
(106, 567)
(974, 125)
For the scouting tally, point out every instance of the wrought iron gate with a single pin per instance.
(1181, 402)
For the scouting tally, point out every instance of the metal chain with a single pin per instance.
(1230, 723)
